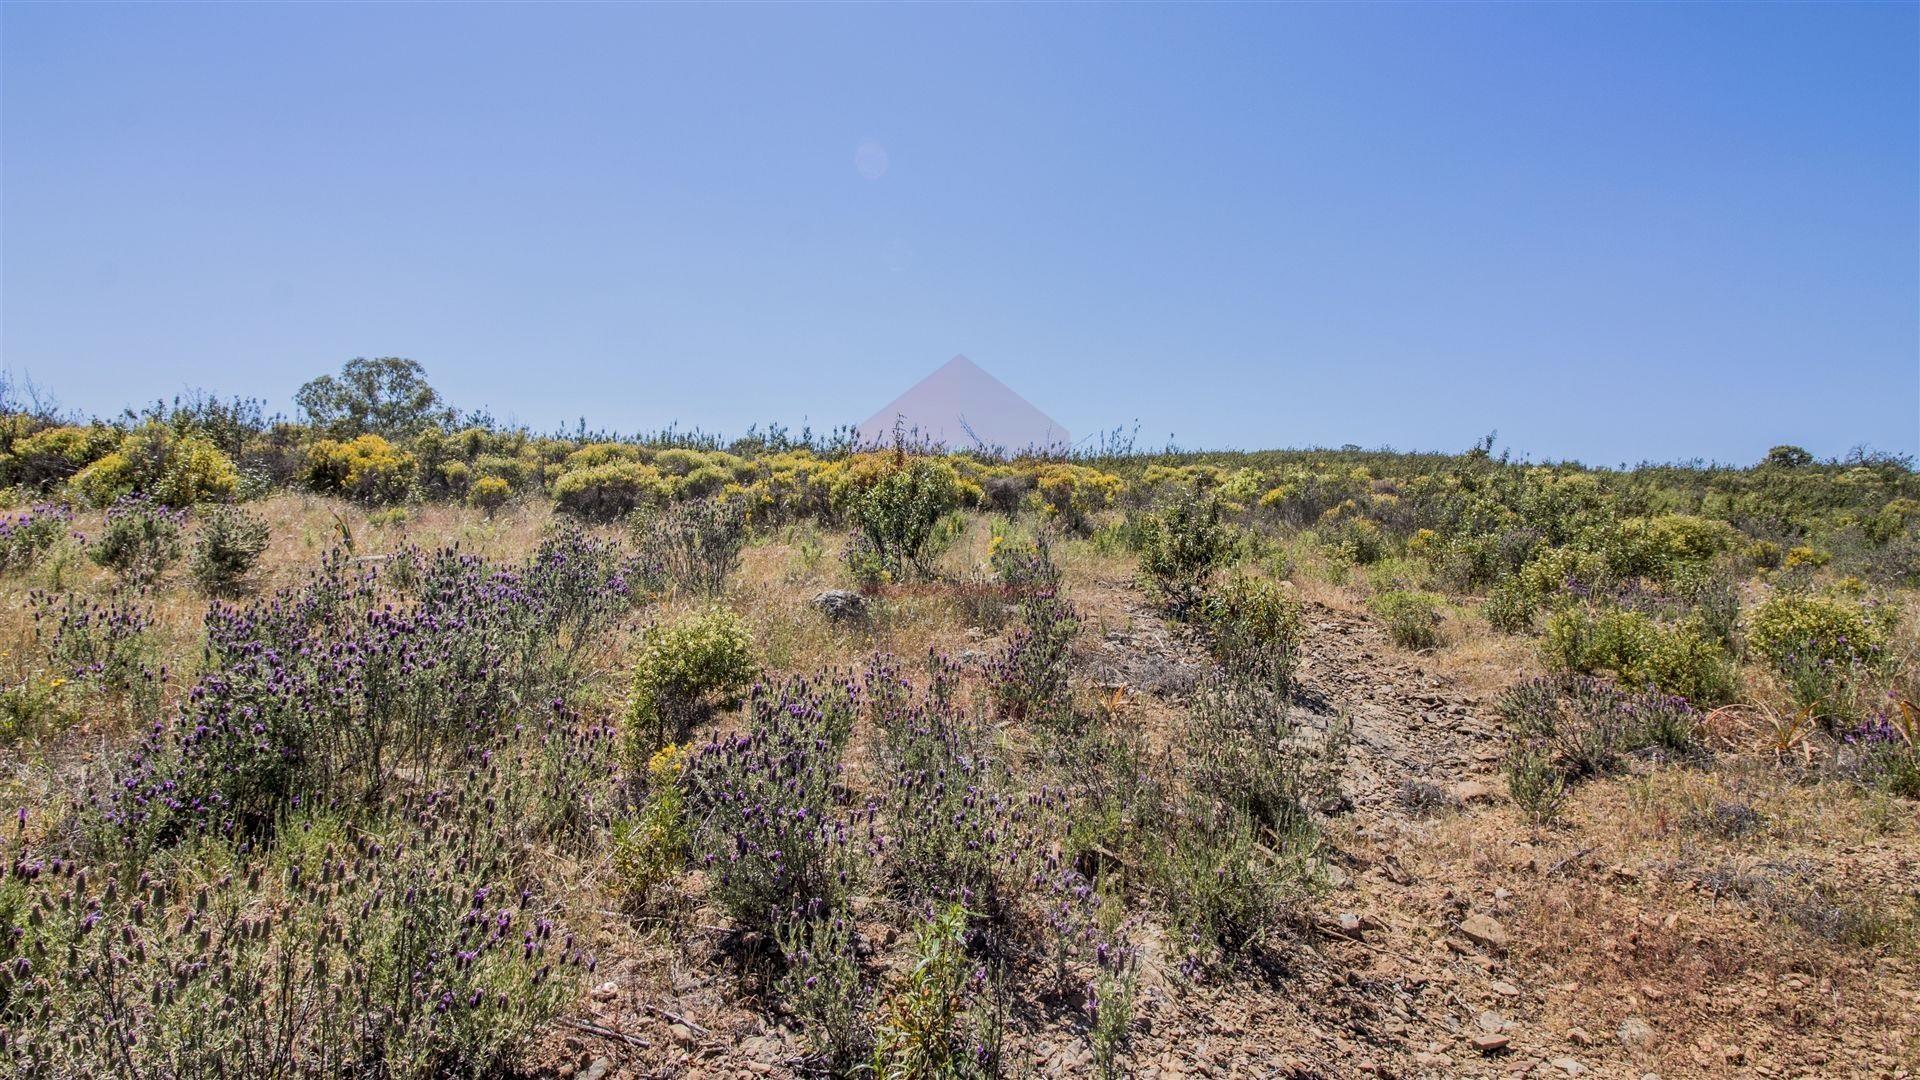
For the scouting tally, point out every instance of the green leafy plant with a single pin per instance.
(650, 847)
(1182, 546)
(679, 664)
(1412, 618)
(1823, 648)
(1254, 629)
(1641, 651)
(899, 515)
(936, 1023)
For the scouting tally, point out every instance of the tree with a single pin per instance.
(1788, 457)
(389, 396)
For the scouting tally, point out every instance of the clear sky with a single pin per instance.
(1610, 232)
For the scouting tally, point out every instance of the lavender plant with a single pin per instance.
(696, 544)
(955, 825)
(822, 983)
(228, 545)
(774, 834)
(336, 689)
(395, 946)
(1029, 676)
(27, 535)
(1588, 724)
(103, 642)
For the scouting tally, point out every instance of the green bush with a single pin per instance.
(1679, 658)
(1253, 628)
(1357, 541)
(679, 664)
(228, 545)
(1182, 547)
(1659, 547)
(900, 513)
(650, 847)
(1412, 618)
(1824, 648)
(935, 1023)
(1071, 494)
(1534, 782)
(141, 539)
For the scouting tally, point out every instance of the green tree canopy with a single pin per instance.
(389, 396)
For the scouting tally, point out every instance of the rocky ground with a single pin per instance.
(1456, 939)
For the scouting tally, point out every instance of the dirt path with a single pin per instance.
(1409, 727)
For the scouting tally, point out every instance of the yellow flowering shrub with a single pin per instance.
(367, 468)
(1071, 494)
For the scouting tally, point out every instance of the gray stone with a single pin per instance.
(1635, 1031)
(841, 604)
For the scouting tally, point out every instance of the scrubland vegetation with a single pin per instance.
(392, 742)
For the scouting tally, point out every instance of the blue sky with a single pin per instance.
(1611, 233)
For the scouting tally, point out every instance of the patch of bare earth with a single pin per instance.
(1456, 938)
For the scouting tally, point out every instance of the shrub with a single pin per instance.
(1003, 494)
(141, 539)
(678, 665)
(389, 949)
(26, 536)
(1534, 781)
(228, 545)
(771, 833)
(1242, 842)
(1680, 658)
(51, 455)
(937, 1022)
(822, 985)
(176, 470)
(609, 492)
(1356, 540)
(898, 516)
(1823, 647)
(1586, 725)
(697, 544)
(367, 469)
(1023, 568)
(1182, 547)
(650, 847)
(953, 821)
(1661, 547)
(1071, 494)
(1889, 746)
(1253, 628)
(1412, 618)
(103, 642)
(489, 493)
(1029, 677)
